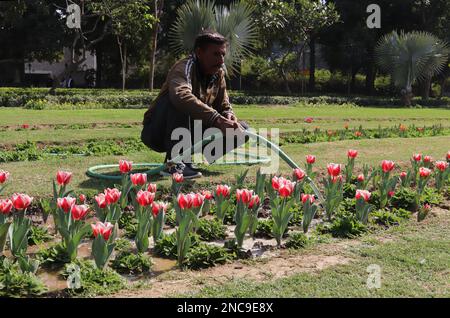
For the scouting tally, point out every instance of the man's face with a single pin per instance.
(211, 58)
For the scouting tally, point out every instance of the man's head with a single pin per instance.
(210, 48)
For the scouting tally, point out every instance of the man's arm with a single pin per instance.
(225, 106)
(182, 98)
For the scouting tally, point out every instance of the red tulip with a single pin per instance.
(4, 175)
(25, 126)
(336, 178)
(79, 211)
(82, 198)
(441, 165)
(276, 182)
(66, 203)
(448, 155)
(417, 157)
(207, 194)
(334, 169)
(403, 174)
(391, 193)
(101, 200)
(299, 174)
(138, 179)
(151, 187)
(424, 172)
(104, 229)
(362, 194)
(360, 177)
(63, 177)
(197, 200)
(352, 153)
(387, 165)
(157, 206)
(306, 197)
(112, 195)
(21, 201)
(5, 206)
(358, 134)
(244, 195)
(427, 207)
(145, 198)
(125, 166)
(254, 201)
(223, 190)
(185, 201)
(427, 159)
(177, 177)
(286, 188)
(310, 159)
(308, 120)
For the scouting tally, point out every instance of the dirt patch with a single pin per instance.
(274, 265)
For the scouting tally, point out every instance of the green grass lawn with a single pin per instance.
(35, 177)
(414, 262)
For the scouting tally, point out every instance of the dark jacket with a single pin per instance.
(191, 94)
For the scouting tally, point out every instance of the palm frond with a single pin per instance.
(411, 57)
(234, 24)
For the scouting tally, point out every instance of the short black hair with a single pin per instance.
(209, 37)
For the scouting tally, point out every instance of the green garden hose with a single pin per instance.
(155, 168)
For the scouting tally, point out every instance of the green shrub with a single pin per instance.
(349, 190)
(346, 225)
(431, 196)
(264, 228)
(348, 205)
(404, 198)
(94, 281)
(210, 230)
(385, 217)
(128, 223)
(297, 240)
(53, 256)
(297, 215)
(130, 263)
(402, 213)
(38, 235)
(15, 283)
(167, 245)
(122, 245)
(206, 255)
(36, 104)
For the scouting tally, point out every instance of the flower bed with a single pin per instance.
(351, 205)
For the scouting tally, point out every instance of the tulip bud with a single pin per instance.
(63, 177)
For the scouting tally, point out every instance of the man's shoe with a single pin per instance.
(185, 169)
(191, 173)
(174, 168)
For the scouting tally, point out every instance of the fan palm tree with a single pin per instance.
(232, 22)
(410, 57)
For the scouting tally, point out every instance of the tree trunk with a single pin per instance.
(312, 64)
(370, 74)
(98, 74)
(425, 87)
(124, 67)
(158, 11)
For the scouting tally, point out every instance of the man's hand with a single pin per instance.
(223, 123)
(230, 116)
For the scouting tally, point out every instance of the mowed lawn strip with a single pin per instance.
(34, 177)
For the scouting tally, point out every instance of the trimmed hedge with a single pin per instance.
(38, 98)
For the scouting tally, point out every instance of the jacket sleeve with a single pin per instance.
(222, 102)
(182, 98)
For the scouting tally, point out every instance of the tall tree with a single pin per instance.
(131, 23)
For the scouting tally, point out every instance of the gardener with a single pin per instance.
(194, 90)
